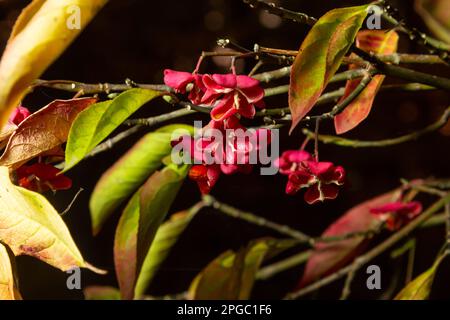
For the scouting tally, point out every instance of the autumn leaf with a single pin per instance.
(40, 35)
(231, 275)
(436, 15)
(42, 131)
(320, 56)
(8, 288)
(165, 238)
(97, 122)
(5, 132)
(139, 222)
(130, 171)
(330, 256)
(30, 225)
(375, 41)
(101, 293)
(420, 287)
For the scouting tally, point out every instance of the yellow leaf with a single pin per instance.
(420, 287)
(30, 225)
(40, 35)
(8, 290)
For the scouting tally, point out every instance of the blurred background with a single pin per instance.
(138, 39)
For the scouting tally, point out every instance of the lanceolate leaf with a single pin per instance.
(231, 275)
(40, 35)
(420, 287)
(376, 41)
(8, 289)
(96, 123)
(130, 171)
(44, 130)
(29, 225)
(140, 221)
(320, 55)
(101, 293)
(166, 237)
(328, 257)
(436, 15)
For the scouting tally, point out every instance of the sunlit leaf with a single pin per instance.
(8, 288)
(436, 15)
(231, 275)
(101, 293)
(42, 131)
(165, 238)
(139, 222)
(130, 171)
(320, 56)
(96, 123)
(420, 287)
(328, 257)
(29, 225)
(39, 37)
(376, 41)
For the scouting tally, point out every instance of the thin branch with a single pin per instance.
(152, 121)
(410, 264)
(251, 218)
(401, 72)
(137, 125)
(67, 209)
(395, 58)
(386, 142)
(447, 226)
(269, 76)
(90, 88)
(300, 258)
(271, 270)
(352, 96)
(414, 87)
(109, 144)
(281, 12)
(413, 34)
(363, 259)
(348, 281)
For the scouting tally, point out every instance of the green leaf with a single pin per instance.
(130, 172)
(420, 287)
(231, 275)
(166, 237)
(94, 124)
(320, 56)
(101, 293)
(140, 221)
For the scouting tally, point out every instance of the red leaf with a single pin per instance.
(376, 41)
(330, 256)
(44, 130)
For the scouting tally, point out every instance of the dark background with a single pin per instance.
(138, 39)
